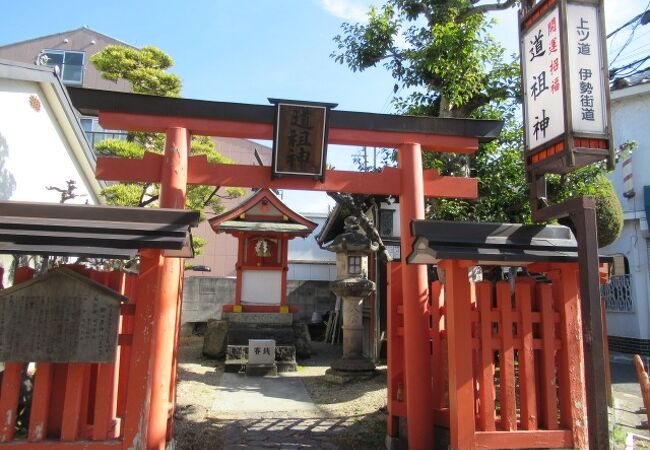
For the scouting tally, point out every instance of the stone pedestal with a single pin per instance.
(352, 365)
(352, 327)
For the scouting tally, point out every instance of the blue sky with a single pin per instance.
(246, 51)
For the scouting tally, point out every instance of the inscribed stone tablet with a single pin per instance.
(59, 317)
(261, 351)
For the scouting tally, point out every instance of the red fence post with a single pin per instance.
(506, 358)
(40, 402)
(548, 367)
(566, 289)
(526, 356)
(136, 420)
(9, 400)
(395, 349)
(486, 373)
(459, 344)
(106, 400)
(73, 401)
(437, 291)
(127, 319)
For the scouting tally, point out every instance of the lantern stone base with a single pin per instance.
(347, 370)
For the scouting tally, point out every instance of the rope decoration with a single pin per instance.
(262, 248)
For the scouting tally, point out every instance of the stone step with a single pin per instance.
(261, 370)
(235, 366)
(240, 335)
(260, 318)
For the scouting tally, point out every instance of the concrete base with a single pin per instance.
(261, 370)
(343, 377)
(353, 365)
(396, 443)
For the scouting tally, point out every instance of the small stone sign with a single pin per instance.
(261, 351)
(59, 317)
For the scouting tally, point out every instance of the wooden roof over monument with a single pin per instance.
(93, 231)
(263, 212)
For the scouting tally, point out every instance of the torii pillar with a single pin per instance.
(173, 187)
(158, 303)
(415, 293)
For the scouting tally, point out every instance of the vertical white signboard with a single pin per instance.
(585, 74)
(544, 90)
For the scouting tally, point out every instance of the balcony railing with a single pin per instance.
(95, 137)
(618, 294)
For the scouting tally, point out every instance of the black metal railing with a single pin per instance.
(618, 294)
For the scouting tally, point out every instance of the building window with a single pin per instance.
(386, 222)
(95, 133)
(70, 64)
(354, 265)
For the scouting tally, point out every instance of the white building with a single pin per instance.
(42, 143)
(627, 300)
(307, 261)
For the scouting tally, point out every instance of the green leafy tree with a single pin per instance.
(446, 64)
(146, 69)
(499, 169)
(439, 51)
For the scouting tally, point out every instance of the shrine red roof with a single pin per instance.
(263, 212)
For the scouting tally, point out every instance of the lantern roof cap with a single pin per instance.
(352, 239)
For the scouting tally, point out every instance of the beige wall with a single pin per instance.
(78, 40)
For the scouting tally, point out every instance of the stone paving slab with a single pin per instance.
(245, 396)
(289, 433)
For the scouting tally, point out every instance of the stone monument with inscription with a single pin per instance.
(352, 248)
(59, 317)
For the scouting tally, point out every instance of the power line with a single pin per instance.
(640, 18)
(636, 64)
(634, 56)
(640, 41)
(644, 20)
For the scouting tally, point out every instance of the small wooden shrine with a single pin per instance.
(263, 226)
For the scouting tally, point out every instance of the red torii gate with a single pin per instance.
(179, 119)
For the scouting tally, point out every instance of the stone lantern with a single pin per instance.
(352, 248)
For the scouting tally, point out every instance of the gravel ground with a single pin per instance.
(350, 416)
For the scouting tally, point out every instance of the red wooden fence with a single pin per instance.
(74, 405)
(507, 354)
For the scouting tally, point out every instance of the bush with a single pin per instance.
(609, 213)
